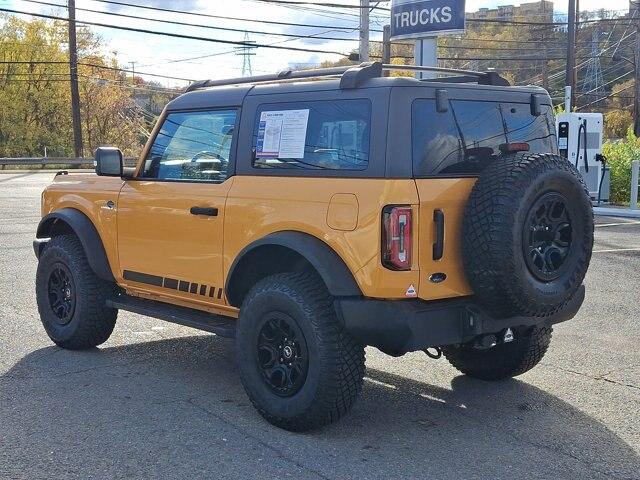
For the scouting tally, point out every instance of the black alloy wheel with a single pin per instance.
(72, 299)
(547, 236)
(299, 367)
(527, 235)
(62, 293)
(282, 356)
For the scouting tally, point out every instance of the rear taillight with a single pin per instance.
(396, 237)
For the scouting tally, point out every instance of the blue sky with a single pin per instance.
(175, 57)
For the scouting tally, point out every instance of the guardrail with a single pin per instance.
(635, 170)
(42, 162)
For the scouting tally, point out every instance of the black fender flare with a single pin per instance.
(86, 232)
(328, 264)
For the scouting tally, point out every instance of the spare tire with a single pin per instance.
(527, 235)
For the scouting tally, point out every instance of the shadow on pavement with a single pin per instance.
(175, 408)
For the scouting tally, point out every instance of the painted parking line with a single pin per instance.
(634, 249)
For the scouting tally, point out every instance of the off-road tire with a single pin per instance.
(92, 321)
(505, 360)
(336, 363)
(493, 233)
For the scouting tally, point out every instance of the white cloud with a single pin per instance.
(157, 54)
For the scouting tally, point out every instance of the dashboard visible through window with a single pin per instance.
(192, 146)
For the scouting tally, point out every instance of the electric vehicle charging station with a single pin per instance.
(580, 142)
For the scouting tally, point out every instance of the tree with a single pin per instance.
(35, 97)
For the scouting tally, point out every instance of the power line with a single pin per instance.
(220, 17)
(104, 67)
(322, 4)
(187, 24)
(41, 77)
(175, 35)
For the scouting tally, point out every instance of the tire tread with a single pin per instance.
(342, 382)
(504, 360)
(98, 320)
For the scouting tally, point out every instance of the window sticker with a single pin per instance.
(282, 134)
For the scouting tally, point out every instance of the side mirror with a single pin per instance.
(109, 162)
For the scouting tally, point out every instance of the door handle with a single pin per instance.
(208, 211)
(438, 245)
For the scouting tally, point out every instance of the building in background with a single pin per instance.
(542, 10)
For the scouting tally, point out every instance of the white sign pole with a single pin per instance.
(426, 55)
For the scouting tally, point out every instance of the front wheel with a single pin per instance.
(299, 367)
(505, 359)
(71, 297)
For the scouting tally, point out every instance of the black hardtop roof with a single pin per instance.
(234, 95)
(232, 92)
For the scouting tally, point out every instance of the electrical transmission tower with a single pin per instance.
(593, 82)
(246, 52)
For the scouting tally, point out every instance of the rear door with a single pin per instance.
(450, 148)
(171, 217)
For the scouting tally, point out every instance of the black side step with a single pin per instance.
(189, 317)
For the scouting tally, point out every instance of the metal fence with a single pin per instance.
(62, 162)
(42, 162)
(635, 170)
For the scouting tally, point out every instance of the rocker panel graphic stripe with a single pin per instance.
(173, 284)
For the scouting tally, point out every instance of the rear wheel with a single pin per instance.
(505, 359)
(71, 297)
(299, 367)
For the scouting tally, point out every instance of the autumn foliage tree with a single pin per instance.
(35, 111)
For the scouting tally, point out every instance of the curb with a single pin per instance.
(616, 212)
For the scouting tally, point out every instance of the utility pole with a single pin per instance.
(386, 47)
(634, 13)
(364, 31)
(575, 46)
(73, 72)
(133, 72)
(571, 49)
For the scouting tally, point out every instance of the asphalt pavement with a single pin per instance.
(163, 401)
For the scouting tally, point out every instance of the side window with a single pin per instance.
(192, 146)
(463, 140)
(321, 135)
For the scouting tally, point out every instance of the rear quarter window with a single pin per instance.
(463, 140)
(336, 137)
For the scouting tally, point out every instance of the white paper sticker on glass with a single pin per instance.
(282, 134)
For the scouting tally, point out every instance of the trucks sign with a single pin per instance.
(426, 18)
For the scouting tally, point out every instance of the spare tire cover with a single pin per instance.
(527, 235)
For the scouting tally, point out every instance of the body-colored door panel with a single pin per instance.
(449, 195)
(177, 253)
(260, 205)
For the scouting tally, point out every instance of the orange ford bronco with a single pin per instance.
(308, 219)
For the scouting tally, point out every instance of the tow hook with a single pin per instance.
(435, 354)
(490, 340)
(485, 342)
(508, 336)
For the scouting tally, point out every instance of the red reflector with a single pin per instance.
(514, 147)
(396, 238)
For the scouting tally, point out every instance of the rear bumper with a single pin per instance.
(400, 326)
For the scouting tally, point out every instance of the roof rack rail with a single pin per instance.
(351, 76)
(483, 78)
